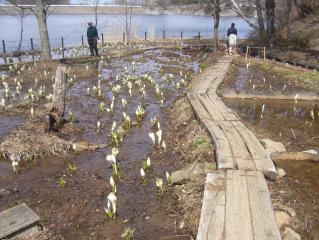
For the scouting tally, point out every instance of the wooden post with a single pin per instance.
(58, 101)
(4, 51)
(82, 41)
(264, 53)
(31, 40)
(123, 37)
(247, 52)
(62, 48)
(163, 34)
(145, 36)
(102, 38)
(181, 34)
(54, 118)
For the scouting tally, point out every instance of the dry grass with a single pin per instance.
(44, 235)
(29, 142)
(308, 79)
(195, 146)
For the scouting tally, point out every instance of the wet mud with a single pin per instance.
(76, 211)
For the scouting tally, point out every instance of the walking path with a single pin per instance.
(236, 202)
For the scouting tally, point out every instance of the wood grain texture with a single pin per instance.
(59, 90)
(223, 152)
(243, 159)
(262, 214)
(238, 218)
(212, 220)
(16, 218)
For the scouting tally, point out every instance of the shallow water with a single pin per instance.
(76, 211)
(287, 121)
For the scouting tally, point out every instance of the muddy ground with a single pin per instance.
(76, 210)
(294, 123)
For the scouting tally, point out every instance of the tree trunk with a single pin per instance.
(270, 12)
(216, 24)
(21, 21)
(54, 118)
(95, 13)
(43, 30)
(260, 19)
(289, 15)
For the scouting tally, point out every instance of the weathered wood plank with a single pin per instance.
(224, 156)
(241, 156)
(198, 108)
(212, 220)
(16, 218)
(210, 108)
(262, 214)
(226, 112)
(58, 102)
(261, 159)
(238, 218)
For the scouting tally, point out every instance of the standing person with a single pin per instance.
(231, 37)
(92, 36)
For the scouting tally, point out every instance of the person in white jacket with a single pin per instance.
(231, 37)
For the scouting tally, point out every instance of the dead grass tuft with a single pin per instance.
(29, 142)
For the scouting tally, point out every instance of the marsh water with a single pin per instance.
(76, 211)
(294, 123)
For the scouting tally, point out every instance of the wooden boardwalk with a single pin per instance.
(236, 203)
(236, 147)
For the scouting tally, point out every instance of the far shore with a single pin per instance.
(80, 9)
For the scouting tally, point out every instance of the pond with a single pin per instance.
(73, 27)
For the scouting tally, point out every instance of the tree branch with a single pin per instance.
(13, 2)
(236, 9)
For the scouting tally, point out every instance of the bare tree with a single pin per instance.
(128, 18)
(234, 6)
(289, 15)
(214, 8)
(260, 18)
(96, 4)
(270, 14)
(40, 11)
(20, 14)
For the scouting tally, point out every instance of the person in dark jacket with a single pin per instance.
(231, 30)
(92, 36)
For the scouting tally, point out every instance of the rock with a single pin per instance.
(287, 209)
(281, 172)
(191, 172)
(272, 146)
(290, 234)
(282, 218)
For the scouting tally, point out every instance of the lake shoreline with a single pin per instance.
(194, 10)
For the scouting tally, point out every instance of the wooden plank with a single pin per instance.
(261, 159)
(16, 219)
(58, 101)
(238, 219)
(198, 108)
(226, 112)
(224, 156)
(210, 108)
(262, 214)
(212, 219)
(242, 157)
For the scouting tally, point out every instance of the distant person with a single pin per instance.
(231, 37)
(92, 36)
